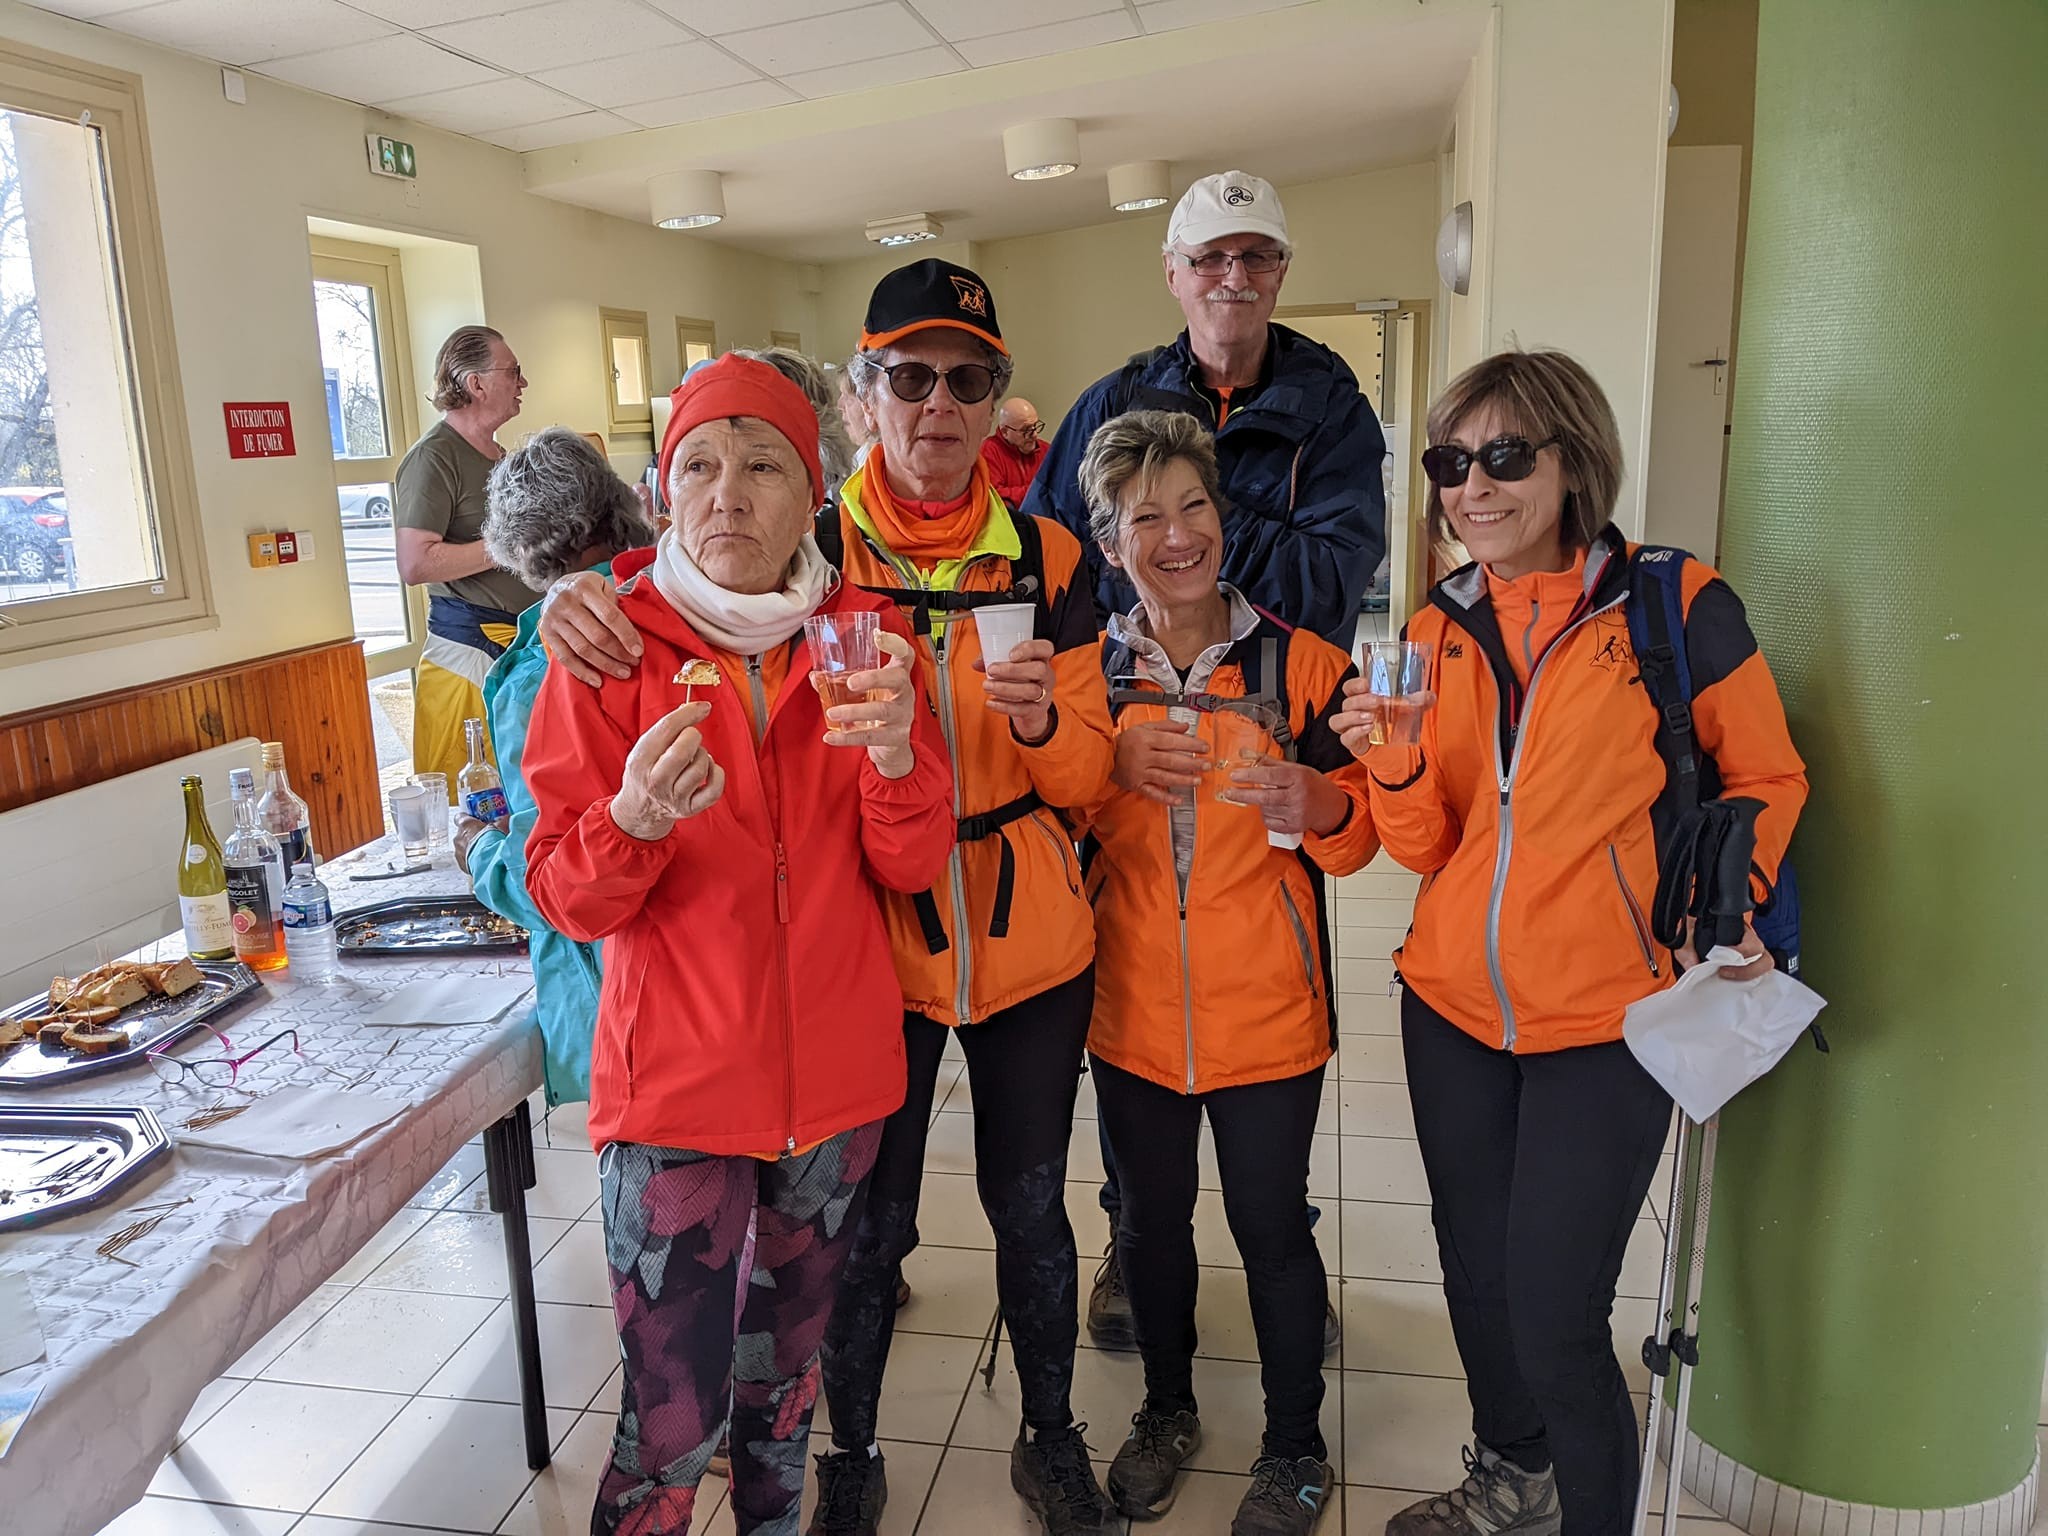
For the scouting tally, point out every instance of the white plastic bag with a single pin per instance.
(1709, 1037)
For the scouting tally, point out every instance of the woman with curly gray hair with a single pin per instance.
(554, 507)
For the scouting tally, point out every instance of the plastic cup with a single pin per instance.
(436, 786)
(412, 813)
(1003, 627)
(1395, 671)
(841, 644)
(1240, 741)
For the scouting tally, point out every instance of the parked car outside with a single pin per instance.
(34, 522)
(367, 503)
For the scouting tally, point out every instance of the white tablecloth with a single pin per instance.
(130, 1348)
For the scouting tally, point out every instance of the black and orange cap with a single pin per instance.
(931, 295)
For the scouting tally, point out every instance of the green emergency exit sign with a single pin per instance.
(392, 157)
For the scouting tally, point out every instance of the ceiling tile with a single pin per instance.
(435, 13)
(706, 104)
(845, 37)
(383, 69)
(957, 19)
(88, 10)
(564, 32)
(235, 32)
(1167, 15)
(715, 18)
(873, 73)
(486, 108)
(1060, 37)
(679, 69)
(563, 130)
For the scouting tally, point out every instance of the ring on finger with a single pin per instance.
(1042, 695)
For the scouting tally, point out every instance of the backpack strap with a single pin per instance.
(1656, 624)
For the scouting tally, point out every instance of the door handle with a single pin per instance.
(1711, 362)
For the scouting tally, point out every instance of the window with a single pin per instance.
(625, 361)
(696, 340)
(98, 514)
(791, 339)
(359, 309)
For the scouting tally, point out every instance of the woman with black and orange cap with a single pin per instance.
(729, 840)
(1000, 950)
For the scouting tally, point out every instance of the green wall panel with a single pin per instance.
(1876, 1311)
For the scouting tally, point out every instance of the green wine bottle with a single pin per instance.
(203, 883)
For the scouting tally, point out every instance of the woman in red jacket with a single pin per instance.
(728, 838)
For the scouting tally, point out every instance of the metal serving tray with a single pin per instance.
(58, 1161)
(150, 1023)
(427, 925)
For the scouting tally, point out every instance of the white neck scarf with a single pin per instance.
(745, 623)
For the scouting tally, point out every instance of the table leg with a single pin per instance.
(508, 1169)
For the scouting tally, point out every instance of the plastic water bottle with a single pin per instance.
(308, 926)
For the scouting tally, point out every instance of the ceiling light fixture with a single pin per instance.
(905, 229)
(1140, 184)
(686, 199)
(1042, 150)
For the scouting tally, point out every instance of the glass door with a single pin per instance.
(359, 306)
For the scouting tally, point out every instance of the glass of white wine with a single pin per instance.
(840, 645)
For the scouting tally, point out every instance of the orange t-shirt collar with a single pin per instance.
(925, 532)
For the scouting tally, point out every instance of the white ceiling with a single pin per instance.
(1375, 88)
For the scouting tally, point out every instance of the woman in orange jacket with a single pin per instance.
(1234, 798)
(999, 950)
(1527, 808)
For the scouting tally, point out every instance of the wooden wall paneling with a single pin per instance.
(316, 701)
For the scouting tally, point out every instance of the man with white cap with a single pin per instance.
(1299, 453)
(1297, 444)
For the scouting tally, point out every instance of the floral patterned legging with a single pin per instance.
(698, 1344)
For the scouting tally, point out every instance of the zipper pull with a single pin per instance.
(790, 1146)
(781, 884)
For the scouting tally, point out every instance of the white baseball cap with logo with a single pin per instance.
(1231, 203)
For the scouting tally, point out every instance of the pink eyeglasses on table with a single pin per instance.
(214, 1071)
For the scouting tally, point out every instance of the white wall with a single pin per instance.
(1578, 198)
(236, 185)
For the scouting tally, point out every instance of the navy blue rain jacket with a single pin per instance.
(1300, 456)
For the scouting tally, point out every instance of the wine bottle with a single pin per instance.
(283, 814)
(482, 791)
(203, 882)
(255, 883)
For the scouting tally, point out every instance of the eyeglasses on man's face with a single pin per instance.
(1026, 429)
(1258, 261)
(518, 374)
(967, 383)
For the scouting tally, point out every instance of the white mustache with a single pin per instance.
(1233, 296)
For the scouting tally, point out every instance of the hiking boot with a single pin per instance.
(1146, 1472)
(1496, 1497)
(1109, 1305)
(1285, 1498)
(1333, 1329)
(1052, 1475)
(852, 1492)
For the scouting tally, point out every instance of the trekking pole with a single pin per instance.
(1687, 1345)
(1656, 1344)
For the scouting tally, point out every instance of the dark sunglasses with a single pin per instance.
(968, 383)
(1505, 458)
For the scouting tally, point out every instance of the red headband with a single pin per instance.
(740, 386)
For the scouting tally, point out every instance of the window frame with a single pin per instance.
(381, 270)
(37, 82)
(614, 326)
(691, 331)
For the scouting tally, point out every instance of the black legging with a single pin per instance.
(1537, 1167)
(1023, 1067)
(1264, 1133)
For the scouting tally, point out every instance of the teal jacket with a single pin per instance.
(565, 973)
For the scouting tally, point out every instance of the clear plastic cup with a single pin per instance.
(412, 814)
(1395, 671)
(1240, 741)
(436, 786)
(1003, 627)
(840, 644)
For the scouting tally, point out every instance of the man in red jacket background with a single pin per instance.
(1015, 450)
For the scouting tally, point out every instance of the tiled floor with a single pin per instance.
(385, 1407)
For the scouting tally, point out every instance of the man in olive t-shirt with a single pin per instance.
(439, 505)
